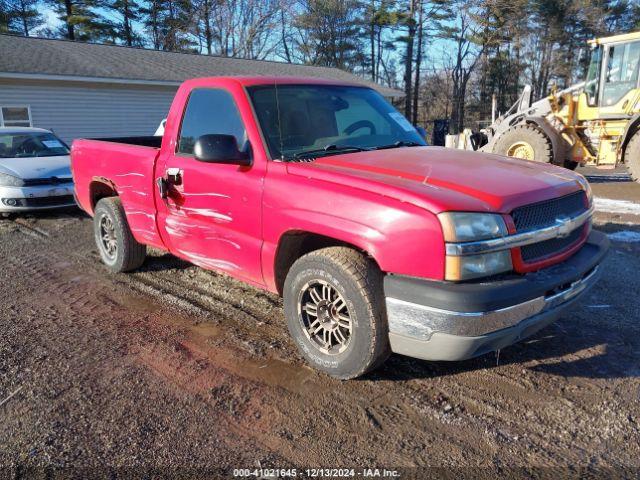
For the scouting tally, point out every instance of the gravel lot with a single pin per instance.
(176, 368)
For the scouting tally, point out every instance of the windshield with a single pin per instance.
(315, 120)
(31, 144)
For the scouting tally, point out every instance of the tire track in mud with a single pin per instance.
(344, 409)
(72, 299)
(409, 413)
(393, 421)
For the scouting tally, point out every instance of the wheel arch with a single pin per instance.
(100, 188)
(293, 244)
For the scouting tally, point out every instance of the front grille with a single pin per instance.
(33, 182)
(544, 214)
(47, 201)
(548, 248)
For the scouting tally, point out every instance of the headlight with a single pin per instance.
(469, 227)
(475, 266)
(10, 181)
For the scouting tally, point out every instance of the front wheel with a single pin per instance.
(527, 142)
(334, 307)
(632, 156)
(119, 251)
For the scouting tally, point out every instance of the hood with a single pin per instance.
(441, 179)
(36, 167)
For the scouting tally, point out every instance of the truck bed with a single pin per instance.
(126, 166)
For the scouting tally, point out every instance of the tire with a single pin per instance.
(353, 289)
(535, 143)
(121, 252)
(632, 156)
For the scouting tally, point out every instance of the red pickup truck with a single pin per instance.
(324, 193)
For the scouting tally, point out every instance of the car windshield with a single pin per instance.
(31, 144)
(307, 121)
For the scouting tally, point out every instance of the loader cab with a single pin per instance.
(613, 74)
(608, 106)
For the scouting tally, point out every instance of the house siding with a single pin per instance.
(80, 110)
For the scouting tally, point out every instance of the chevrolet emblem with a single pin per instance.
(564, 226)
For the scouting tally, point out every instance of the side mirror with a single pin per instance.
(220, 149)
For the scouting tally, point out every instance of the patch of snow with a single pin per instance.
(625, 236)
(616, 206)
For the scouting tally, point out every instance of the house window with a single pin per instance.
(15, 116)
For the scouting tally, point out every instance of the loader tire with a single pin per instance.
(632, 156)
(119, 251)
(334, 305)
(527, 142)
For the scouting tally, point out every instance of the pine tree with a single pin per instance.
(26, 16)
(329, 32)
(4, 16)
(81, 21)
(129, 11)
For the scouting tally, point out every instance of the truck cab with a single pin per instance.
(322, 192)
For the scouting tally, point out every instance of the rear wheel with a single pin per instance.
(333, 302)
(527, 142)
(119, 251)
(632, 156)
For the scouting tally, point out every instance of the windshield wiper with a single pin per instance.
(400, 143)
(328, 150)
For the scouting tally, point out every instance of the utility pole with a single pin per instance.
(411, 24)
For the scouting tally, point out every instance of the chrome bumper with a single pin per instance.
(421, 322)
(447, 321)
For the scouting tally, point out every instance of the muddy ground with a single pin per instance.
(177, 368)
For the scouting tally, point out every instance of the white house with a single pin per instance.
(82, 90)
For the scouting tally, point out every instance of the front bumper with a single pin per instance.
(455, 321)
(42, 197)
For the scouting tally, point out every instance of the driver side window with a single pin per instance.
(209, 111)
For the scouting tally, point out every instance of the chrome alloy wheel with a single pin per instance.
(325, 317)
(108, 236)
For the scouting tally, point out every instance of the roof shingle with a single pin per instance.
(29, 55)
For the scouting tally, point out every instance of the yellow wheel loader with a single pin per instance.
(596, 122)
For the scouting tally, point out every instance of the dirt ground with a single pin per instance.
(177, 369)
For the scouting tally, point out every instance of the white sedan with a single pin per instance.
(35, 172)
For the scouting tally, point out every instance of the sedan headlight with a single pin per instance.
(470, 227)
(459, 227)
(10, 181)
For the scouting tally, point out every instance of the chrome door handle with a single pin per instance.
(174, 176)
